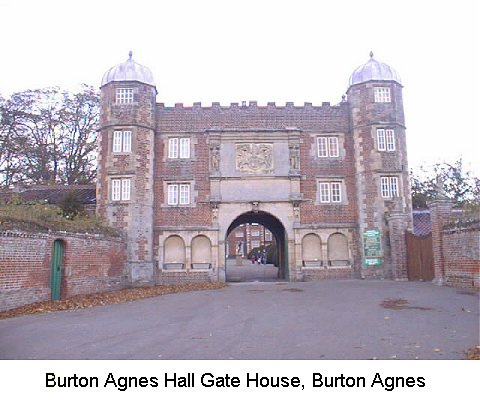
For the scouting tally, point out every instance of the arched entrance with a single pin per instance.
(279, 234)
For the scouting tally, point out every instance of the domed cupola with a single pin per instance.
(128, 71)
(374, 70)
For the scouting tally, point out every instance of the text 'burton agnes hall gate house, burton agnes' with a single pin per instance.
(330, 182)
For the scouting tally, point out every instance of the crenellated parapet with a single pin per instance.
(198, 118)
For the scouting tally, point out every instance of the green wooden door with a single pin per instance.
(56, 269)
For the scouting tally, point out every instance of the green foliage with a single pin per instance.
(47, 217)
(445, 180)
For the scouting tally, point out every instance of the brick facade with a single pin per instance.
(90, 264)
(256, 164)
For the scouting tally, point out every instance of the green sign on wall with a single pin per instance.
(369, 262)
(372, 248)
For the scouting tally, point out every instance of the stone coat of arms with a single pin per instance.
(254, 158)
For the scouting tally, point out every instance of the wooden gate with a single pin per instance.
(56, 269)
(419, 257)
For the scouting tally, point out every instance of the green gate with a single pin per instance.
(56, 269)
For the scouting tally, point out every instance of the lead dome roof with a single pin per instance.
(129, 71)
(374, 70)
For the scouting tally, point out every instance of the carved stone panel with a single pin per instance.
(254, 158)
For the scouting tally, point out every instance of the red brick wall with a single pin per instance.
(196, 121)
(461, 253)
(91, 264)
(456, 246)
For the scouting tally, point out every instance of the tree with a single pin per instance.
(48, 136)
(445, 180)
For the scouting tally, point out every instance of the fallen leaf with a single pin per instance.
(104, 298)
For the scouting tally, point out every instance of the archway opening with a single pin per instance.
(256, 248)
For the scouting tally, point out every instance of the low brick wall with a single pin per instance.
(461, 252)
(456, 246)
(313, 274)
(91, 264)
(173, 277)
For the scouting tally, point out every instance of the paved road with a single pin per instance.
(311, 320)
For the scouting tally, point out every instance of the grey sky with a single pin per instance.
(230, 51)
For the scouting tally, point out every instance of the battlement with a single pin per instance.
(246, 116)
(252, 104)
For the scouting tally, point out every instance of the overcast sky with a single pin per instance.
(230, 51)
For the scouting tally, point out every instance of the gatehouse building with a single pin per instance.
(329, 182)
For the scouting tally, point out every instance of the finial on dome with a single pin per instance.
(130, 54)
(371, 54)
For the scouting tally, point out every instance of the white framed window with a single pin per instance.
(124, 95)
(381, 95)
(336, 192)
(389, 186)
(324, 192)
(322, 146)
(172, 195)
(381, 140)
(121, 189)
(184, 194)
(255, 243)
(255, 232)
(173, 148)
(330, 192)
(327, 146)
(179, 148)
(333, 146)
(268, 236)
(386, 140)
(122, 141)
(116, 193)
(239, 233)
(184, 147)
(125, 189)
(390, 139)
(178, 194)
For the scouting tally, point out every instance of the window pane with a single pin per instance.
(125, 189)
(172, 195)
(115, 189)
(322, 147)
(381, 95)
(127, 141)
(393, 187)
(124, 95)
(336, 194)
(173, 148)
(185, 148)
(385, 187)
(381, 139)
(324, 192)
(333, 146)
(184, 194)
(390, 139)
(117, 141)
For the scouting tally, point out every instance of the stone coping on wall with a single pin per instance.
(26, 234)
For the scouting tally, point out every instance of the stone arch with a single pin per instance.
(174, 252)
(338, 253)
(276, 227)
(311, 250)
(201, 252)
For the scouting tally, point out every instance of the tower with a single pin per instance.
(126, 161)
(381, 169)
